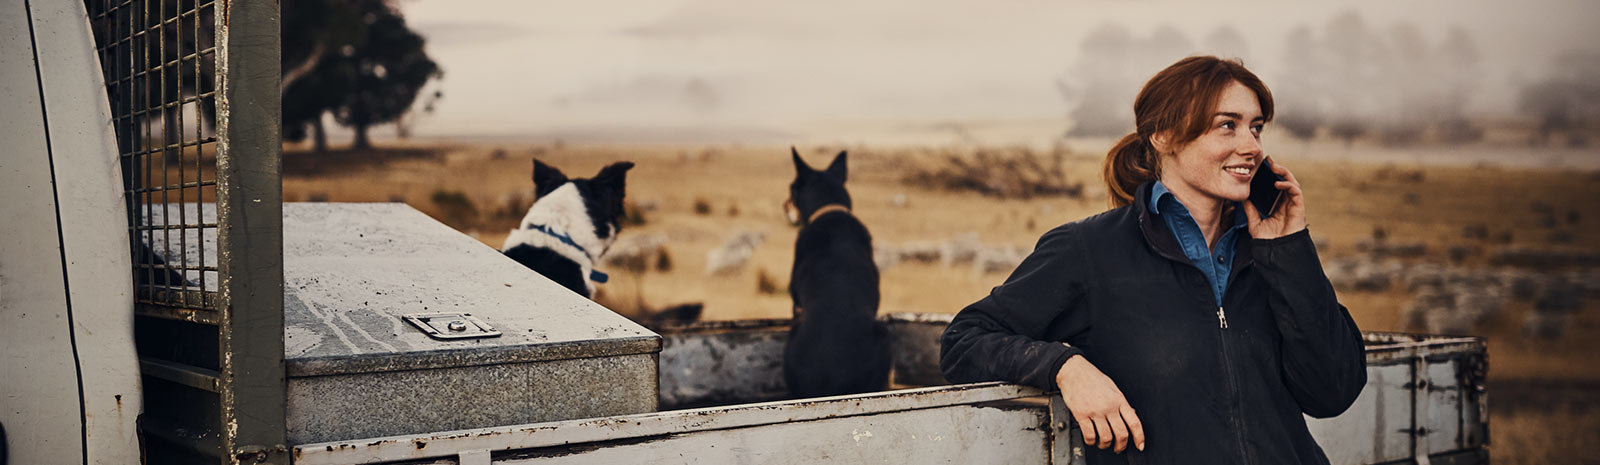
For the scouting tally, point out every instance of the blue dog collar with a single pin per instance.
(594, 275)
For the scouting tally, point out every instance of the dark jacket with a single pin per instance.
(1118, 288)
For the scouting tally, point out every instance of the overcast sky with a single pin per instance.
(540, 68)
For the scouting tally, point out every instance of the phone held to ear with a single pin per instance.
(1263, 191)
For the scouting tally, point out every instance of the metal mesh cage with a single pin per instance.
(202, 192)
(159, 59)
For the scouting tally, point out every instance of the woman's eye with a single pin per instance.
(1228, 125)
(1258, 128)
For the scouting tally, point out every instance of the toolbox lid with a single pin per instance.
(353, 272)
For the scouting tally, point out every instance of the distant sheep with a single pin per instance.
(734, 254)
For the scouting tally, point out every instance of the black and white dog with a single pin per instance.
(570, 225)
(836, 344)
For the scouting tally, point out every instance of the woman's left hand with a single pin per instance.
(1288, 218)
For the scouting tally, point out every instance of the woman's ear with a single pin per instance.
(1161, 142)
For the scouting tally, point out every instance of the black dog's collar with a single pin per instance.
(829, 208)
(594, 275)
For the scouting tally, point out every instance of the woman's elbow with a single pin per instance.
(950, 355)
(1339, 395)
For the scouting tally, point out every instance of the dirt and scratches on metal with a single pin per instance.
(661, 423)
(1423, 401)
(719, 363)
(740, 361)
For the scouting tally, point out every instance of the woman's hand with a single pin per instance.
(1288, 218)
(1101, 410)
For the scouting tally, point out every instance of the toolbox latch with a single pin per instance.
(451, 326)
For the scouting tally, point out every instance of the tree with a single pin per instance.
(1459, 56)
(1097, 85)
(1355, 75)
(355, 59)
(313, 31)
(386, 72)
(1112, 65)
(1411, 87)
(1298, 92)
(1568, 101)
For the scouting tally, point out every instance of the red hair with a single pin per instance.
(1178, 102)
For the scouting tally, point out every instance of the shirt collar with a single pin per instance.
(1159, 191)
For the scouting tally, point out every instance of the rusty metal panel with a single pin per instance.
(1423, 400)
(587, 436)
(731, 362)
(1066, 442)
(914, 347)
(1374, 425)
(1441, 427)
(1000, 433)
(723, 363)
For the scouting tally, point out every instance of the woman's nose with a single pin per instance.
(1248, 144)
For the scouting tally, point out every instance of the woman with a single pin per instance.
(1180, 326)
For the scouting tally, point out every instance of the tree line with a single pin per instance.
(1346, 80)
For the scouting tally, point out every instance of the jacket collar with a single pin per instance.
(1165, 244)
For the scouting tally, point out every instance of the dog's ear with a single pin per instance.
(614, 176)
(546, 178)
(800, 166)
(837, 168)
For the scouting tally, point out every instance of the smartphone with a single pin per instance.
(1263, 193)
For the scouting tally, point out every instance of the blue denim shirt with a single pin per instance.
(1214, 265)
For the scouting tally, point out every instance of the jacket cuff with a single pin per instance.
(1053, 356)
(1294, 246)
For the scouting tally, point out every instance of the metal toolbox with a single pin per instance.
(394, 323)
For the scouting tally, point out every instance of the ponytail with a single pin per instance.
(1130, 163)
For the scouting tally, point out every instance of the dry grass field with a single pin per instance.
(692, 199)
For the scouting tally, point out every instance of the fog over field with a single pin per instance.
(727, 70)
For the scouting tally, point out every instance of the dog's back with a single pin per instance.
(558, 268)
(836, 345)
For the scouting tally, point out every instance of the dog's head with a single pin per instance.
(814, 189)
(601, 195)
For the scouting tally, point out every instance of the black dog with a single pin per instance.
(836, 345)
(570, 225)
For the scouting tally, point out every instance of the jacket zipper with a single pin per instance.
(1233, 378)
(1233, 388)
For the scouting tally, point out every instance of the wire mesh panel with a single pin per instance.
(192, 86)
(160, 65)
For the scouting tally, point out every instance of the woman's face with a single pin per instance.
(1218, 165)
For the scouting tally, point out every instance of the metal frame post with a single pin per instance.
(250, 233)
